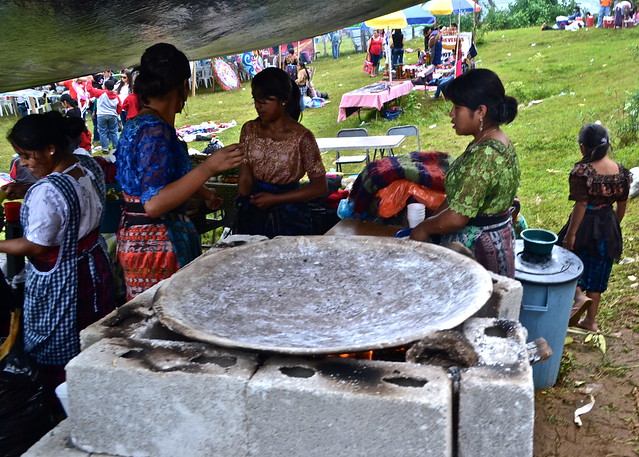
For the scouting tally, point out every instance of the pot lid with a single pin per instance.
(322, 294)
(559, 267)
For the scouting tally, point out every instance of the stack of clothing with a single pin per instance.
(425, 168)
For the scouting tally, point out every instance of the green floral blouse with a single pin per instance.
(483, 180)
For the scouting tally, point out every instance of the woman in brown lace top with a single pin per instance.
(594, 233)
(279, 151)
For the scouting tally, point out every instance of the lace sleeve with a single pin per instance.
(159, 157)
(578, 181)
(311, 157)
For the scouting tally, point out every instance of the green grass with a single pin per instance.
(579, 77)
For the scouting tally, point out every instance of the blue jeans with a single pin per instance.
(603, 11)
(335, 50)
(108, 127)
(397, 56)
(442, 84)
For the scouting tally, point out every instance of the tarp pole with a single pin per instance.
(193, 77)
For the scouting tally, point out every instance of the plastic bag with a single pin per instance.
(368, 66)
(393, 197)
(23, 416)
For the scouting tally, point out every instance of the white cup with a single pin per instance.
(416, 213)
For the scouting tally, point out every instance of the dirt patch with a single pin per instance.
(612, 427)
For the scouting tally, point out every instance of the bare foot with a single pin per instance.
(588, 325)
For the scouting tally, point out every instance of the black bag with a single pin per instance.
(24, 418)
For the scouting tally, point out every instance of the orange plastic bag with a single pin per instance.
(393, 197)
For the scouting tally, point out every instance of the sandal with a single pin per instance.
(580, 306)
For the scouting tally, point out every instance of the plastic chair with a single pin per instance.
(406, 130)
(205, 75)
(34, 105)
(340, 160)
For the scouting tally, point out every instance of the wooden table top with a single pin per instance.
(358, 227)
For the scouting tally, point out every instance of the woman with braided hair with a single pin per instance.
(593, 231)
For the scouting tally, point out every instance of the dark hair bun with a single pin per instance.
(483, 87)
(162, 68)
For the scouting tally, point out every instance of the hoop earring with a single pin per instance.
(481, 124)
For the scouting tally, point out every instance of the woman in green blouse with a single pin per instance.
(482, 183)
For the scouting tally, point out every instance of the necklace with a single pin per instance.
(478, 140)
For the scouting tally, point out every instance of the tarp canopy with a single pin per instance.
(45, 41)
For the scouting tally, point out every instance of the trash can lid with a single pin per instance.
(559, 267)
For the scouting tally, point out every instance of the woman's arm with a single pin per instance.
(315, 188)
(22, 246)
(621, 209)
(576, 218)
(445, 221)
(174, 194)
(245, 181)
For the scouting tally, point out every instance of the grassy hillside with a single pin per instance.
(562, 80)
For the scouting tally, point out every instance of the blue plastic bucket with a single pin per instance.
(549, 284)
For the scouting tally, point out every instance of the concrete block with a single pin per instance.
(57, 443)
(496, 397)
(122, 321)
(348, 407)
(505, 302)
(161, 399)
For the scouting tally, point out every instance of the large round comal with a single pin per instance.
(322, 295)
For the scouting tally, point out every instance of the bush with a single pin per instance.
(628, 127)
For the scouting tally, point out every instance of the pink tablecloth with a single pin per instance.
(372, 96)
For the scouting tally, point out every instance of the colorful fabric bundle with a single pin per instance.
(206, 130)
(425, 168)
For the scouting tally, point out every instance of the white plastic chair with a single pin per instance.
(340, 160)
(206, 75)
(406, 130)
(34, 105)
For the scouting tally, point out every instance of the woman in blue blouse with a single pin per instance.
(156, 238)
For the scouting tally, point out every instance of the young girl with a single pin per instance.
(279, 151)
(593, 231)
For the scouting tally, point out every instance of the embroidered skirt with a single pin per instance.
(493, 245)
(151, 252)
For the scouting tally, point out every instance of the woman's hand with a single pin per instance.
(263, 200)
(569, 242)
(420, 233)
(15, 191)
(228, 157)
(211, 200)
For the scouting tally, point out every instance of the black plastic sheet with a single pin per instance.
(52, 40)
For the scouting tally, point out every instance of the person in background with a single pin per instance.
(68, 283)
(108, 108)
(303, 82)
(336, 41)
(374, 49)
(482, 182)
(604, 10)
(78, 90)
(279, 152)
(599, 187)
(70, 106)
(156, 237)
(123, 88)
(576, 14)
(397, 47)
(435, 46)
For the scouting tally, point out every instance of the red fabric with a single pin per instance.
(376, 46)
(109, 93)
(108, 168)
(131, 105)
(332, 201)
(85, 140)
